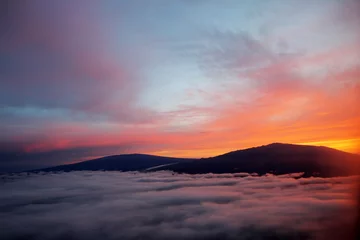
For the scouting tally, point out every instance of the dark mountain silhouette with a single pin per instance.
(126, 162)
(276, 158)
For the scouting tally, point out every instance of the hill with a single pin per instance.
(276, 158)
(126, 162)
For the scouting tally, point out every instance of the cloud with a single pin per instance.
(179, 78)
(61, 57)
(162, 205)
(231, 52)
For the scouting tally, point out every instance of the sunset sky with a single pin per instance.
(181, 78)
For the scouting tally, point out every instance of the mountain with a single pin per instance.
(276, 158)
(126, 162)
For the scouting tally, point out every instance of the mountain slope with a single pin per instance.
(276, 158)
(127, 162)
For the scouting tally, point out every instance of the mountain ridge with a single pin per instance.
(277, 158)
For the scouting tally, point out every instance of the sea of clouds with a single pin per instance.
(164, 205)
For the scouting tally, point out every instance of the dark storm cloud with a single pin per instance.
(113, 205)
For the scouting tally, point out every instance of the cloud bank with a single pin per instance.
(164, 205)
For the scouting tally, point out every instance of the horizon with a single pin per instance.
(184, 78)
(234, 150)
(90, 158)
(199, 158)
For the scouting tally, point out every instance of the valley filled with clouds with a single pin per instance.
(165, 205)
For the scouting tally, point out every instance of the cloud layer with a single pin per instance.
(163, 205)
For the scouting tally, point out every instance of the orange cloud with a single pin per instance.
(282, 106)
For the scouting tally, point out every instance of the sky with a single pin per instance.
(182, 78)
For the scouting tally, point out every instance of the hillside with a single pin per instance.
(276, 158)
(126, 162)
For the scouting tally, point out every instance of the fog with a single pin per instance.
(165, 205)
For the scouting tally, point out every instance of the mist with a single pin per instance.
(165, 205)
